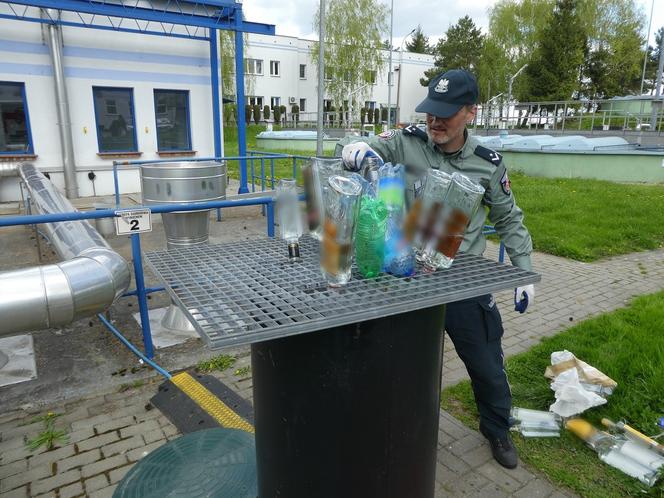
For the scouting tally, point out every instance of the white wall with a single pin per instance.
(144, 63)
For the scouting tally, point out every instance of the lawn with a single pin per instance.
(585, 220)
(627, 345)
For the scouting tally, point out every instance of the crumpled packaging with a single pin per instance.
(564, 360)
(577, 385)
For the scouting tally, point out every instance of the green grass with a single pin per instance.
(218, 363)
(627, 345)
(585, 220)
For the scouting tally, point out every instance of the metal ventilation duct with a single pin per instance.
(90, 279)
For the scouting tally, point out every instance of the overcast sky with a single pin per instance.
(295, 17)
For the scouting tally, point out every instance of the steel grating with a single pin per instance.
(245, 292)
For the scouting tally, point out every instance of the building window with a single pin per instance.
(172, 113)
(303, 105)
(370, 77)
(253, 66)
(15, 135)
(114, 114)
(303, 71)
(275, 102)
(274, 68)
(370, 104)
(327, 103)
(327, 73)
(255, 101)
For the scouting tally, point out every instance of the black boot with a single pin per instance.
(502, 449)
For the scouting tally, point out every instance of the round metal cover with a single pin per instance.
(212, 463)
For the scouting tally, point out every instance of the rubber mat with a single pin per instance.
(193, 402)
(218, 463)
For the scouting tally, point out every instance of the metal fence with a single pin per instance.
(587, 117)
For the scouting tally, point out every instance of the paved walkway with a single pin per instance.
(109, 433)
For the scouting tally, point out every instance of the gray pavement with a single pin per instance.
(110, 430)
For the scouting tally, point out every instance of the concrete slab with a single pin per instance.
(20, 366)
(161, 336)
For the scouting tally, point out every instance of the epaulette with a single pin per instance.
(488, 155)
(412, 130)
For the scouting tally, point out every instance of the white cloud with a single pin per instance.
(295, 17)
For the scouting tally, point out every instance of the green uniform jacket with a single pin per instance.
(414, 149)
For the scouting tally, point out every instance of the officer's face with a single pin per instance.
(448, 132)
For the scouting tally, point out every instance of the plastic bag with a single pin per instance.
(571, 397)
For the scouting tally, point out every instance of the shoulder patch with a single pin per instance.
(414, 131)
(488, 155)
(505, 184)
(388, 135)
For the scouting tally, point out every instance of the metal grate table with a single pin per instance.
(246, 292)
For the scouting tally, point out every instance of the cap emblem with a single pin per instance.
(442, 86)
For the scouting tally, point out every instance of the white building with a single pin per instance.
(145, 97)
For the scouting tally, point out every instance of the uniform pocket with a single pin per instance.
(492, 319)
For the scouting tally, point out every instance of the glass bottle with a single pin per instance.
(288, 213)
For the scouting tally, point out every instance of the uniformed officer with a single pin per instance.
(474, 325)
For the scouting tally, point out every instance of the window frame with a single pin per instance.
(188, 114)
(272, 99)
(303, 71)
(277, 65)
(26, 114)
(301, 107)
(254, 72)
(133, 113)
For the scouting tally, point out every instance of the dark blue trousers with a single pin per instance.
(475, 327)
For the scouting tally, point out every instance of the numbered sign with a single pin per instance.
(130, 221)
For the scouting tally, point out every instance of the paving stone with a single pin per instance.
(139, 428)
(114, 424)
(79, 460)
(22, 478)
(103, 465)
(50, 494)
(48, 457)
(499, 476)
(122, 446)
(21, 492)
(95, 483)
(104, 493)
(116, 475)
(81, 435)
(478, 456)
(467, 485)
(89, 422)
(468, 442)
(537, 488)
(138, 453)
(154, 436)
(70, 491)
(13, 455)
(98, 441)
(12, 444)
(13, 468)
(58, 480)
(13, 430)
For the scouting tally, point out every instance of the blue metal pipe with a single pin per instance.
(116, 184)
(270, 219)
(141, 294)
(110, 213)
(132, 348)
(198, 159)
(148, 290)
(214, 83)
(239, 93)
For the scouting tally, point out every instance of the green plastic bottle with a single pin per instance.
(370, 237)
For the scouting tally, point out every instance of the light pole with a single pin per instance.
(488, 114)
(321, 80)
(400, 71)
(509, 92)
(389, 71)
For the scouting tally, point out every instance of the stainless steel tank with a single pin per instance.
(179, 183)
(183, 183)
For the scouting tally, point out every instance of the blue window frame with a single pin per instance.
(171, 108)
(15, 134)
(114, 116)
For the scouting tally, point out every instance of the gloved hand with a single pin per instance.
(353, 154)
(523, 296)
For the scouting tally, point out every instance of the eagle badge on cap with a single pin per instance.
(442, 86)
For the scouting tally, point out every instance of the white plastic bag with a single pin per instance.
(571, 397)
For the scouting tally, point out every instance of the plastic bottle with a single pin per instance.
(370, 237)
(290, 221)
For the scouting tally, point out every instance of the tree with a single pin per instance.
(353, 46)
(418, 43)
(554, 71)
(460, 48)
(653, 62)
(266, 112)
(277, 114)
(614, 58)
(227, 64)
(257, 113)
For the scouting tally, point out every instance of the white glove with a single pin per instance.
(353, 154)
(524, 296)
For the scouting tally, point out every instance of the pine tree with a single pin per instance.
(554, 72)
(460, 48)
(418, 43)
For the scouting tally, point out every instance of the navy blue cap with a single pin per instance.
(449, 92)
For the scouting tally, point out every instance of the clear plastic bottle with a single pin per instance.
(370, 236)
(290, 220)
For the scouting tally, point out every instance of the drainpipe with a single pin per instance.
(89, 280)
(55, 44)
